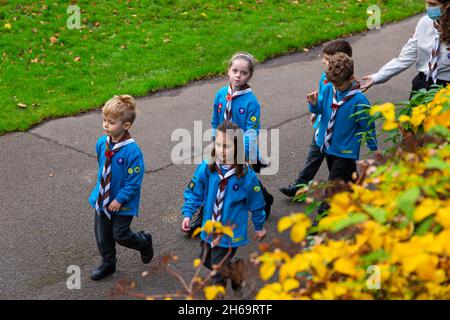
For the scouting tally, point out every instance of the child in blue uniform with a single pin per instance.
(339, 136)
(237, 103)
(228, 190)
(116, 195)
(315, 157)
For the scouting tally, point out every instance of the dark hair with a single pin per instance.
(340, 68)
(333, 47)
(246, 57)
(444, 21)
(241, 167)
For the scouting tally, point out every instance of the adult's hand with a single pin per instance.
(368, 83)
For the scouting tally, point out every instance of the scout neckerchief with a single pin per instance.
(218, 204)
(105, 182)
(230, 96)
(434, 59)
(335, 106)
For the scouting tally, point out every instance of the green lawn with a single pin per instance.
(136, 47)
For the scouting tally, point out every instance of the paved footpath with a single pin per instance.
(47, 173)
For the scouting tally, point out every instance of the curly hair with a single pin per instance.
(444, 22)
(340, 68)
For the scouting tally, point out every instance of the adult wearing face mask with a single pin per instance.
(428, 48)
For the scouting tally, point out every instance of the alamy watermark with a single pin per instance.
(74, 19)
(374, 280)
(374, 21)
(74, 280)
(251, 146)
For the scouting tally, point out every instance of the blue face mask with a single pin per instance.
(434, 13)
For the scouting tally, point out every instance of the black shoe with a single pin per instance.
(289, 190)
(102, 272)
(147, 252)
(269, 202)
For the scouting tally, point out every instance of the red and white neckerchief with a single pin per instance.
(104, 190)
(434, 59)
(218, 204)
(335, 106)
(230, 96)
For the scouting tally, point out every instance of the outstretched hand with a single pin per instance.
(367, 84)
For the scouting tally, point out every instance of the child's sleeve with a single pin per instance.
(194, 192)
(363, 122)
(98, 149)
(252, 126)
(255, 201)
(215, 115)
(133, 180)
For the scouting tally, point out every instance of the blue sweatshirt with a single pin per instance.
(345, 141)
(322, 84)
(127, 169)
(241, 196)
(245, 111)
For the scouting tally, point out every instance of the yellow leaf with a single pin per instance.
(196, 232)
(298, 231)
(290, 284)
(211, 292)
(227, 231)
(208, 227)
(443, 217)
(284, 223)
(426, 208)
(345, 266)
(267, 270)
(197, 262)
(7, 26)
(389, 125)
(404, 118)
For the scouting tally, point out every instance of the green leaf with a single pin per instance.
(374, 257)
(437, 163)
(424, 226)
(353, 219)
(406, 201)
(379, 214)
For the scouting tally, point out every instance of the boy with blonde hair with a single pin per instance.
(116, 195)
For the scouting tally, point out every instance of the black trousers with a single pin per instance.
(257, 168)
(420, 82)
(108, 232)
(215, 255)
(312, 165)
(339, 169)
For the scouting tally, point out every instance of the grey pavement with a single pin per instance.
(48, 172)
